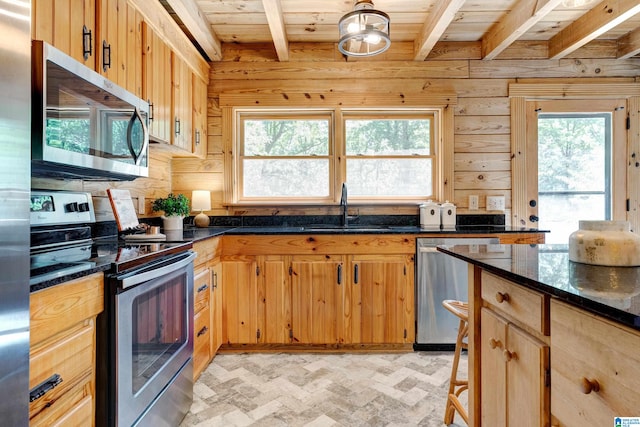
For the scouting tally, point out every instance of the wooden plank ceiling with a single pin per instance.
(417, 24)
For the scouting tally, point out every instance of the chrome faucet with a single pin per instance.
(343, 205)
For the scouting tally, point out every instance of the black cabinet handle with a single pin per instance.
(215, 280)
(533, 218)
(203, 331)
(176, 126)
(150, 110)
(87, 42)
(203, 288)
(41, 389)
(106, 56)
(355, 274)
(339, 274)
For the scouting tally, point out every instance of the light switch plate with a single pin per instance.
(495, 203)
(473, 202)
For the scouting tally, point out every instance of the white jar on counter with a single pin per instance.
(448, 212)
(430, 215)
(608, 243)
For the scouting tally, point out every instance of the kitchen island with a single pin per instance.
(551, 342)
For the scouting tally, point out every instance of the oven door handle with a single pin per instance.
(151, 272)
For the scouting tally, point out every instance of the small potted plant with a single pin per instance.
(175, 208)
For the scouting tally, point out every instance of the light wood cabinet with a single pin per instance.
(206, 302)
(240, 307)
(62, 352)
(182, 104)
(156, 87)
(216, 307)
(274, 299)
(69, 25)
(119, 48)
(376, 298)
(514, 354)
(317, 286)
(199, 116)
(202, 329)
(514, 368)
(594, 369)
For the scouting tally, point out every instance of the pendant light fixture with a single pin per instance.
(364, 31)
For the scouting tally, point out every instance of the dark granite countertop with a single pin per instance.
(612, 292)
(107, 246)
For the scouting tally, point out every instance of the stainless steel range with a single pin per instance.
(145, 335)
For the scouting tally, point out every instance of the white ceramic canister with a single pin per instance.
(430, 215)
(608, 243)
(448, 212)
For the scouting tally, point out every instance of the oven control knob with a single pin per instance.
(83, 207)
(71, 207)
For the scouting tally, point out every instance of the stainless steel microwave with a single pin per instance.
(83, 125)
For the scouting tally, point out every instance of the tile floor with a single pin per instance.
(317, 390)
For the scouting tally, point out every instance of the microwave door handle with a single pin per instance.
(137, 157)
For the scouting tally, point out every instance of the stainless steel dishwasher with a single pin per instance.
(440, 277)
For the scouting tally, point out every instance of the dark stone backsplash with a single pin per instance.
(109, 228)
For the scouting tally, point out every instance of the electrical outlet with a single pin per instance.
(141, 205)
(473, 202)
(495, 203)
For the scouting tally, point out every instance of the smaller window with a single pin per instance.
(389, 156)
(285, 158)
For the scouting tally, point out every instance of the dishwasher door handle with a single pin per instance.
(423, 250)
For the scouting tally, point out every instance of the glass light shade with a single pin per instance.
(201, 201)
(364, 31)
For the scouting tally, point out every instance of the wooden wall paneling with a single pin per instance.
(578, 68)
(336, 70)
(462, 87)
(482, 125)
(633, 180)
(471, 143)
(484, 106)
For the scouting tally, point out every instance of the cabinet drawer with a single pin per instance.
(586, 347)
(206, 250)
(202, 341)
(75, 413)
(201, 289)
(70, 356)
(60, 307)
(523, 306)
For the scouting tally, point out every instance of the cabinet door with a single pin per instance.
(376, 297)
(493, 380)
(527, 362)
(156, 88)
(69, 25)
(317, 283)
(119, 48)
(182, 104)
(199, 117)
(240, 301)
(216, 307)
(595, 368)
(274, 300)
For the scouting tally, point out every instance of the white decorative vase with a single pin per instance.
(173, 222)
(609, 243)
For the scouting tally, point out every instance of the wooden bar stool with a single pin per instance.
(456, 386)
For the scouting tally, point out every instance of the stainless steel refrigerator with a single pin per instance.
(15, 185)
